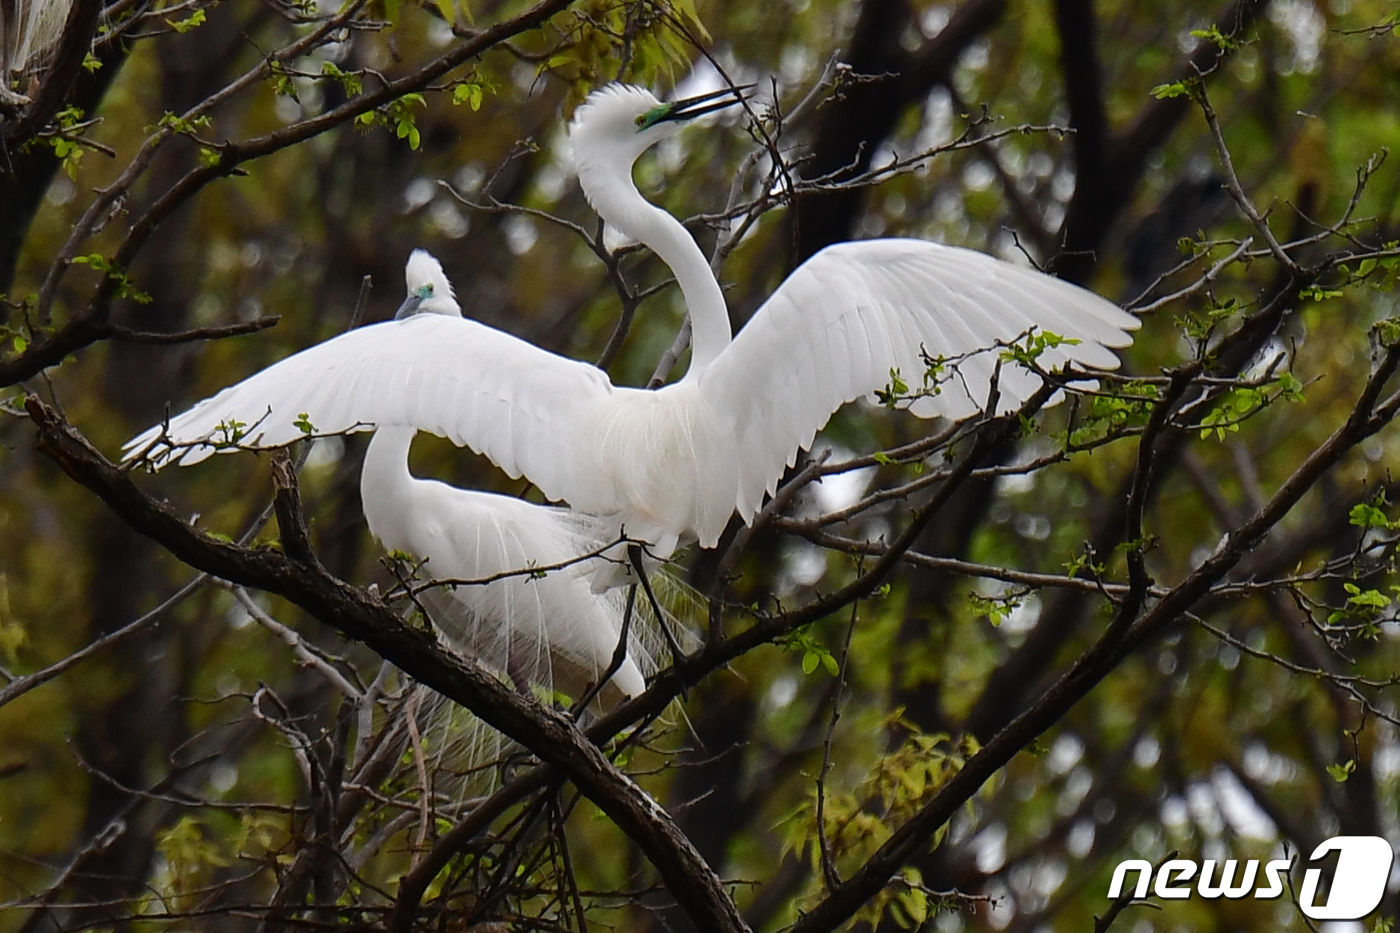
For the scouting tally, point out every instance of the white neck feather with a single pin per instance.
(617, 200)
(386, 484)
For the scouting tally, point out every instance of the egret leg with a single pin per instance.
(634, 551)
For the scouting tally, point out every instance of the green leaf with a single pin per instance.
(281, 81)
(69, 117)
(1219, 421)
(190, 857)
(896, 389)
(1365, 515)
(810, 660)
(1215, 37)
(399, 113)
(230, 432)
(1366, 599)
(1318, 293)
(1340, 772)
(469, 93)
(915, 903)
(349, 81)
(190, 22)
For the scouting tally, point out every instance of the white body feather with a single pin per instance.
(26, 40)
(549, 628)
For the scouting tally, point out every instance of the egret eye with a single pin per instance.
(424, 291)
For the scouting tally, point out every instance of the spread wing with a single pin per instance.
(521, 406)
(851, 314)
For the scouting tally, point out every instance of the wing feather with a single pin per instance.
(521, 406)
(836, 328)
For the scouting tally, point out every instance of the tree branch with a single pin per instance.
(361, 617)
(1103, 657)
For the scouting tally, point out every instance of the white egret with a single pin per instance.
(543, 627)
(536, 616)
(678, 462)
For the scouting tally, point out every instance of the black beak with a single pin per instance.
(408, 308)
(692, 107)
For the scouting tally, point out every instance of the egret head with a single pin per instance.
(619, 122)
(429, 292)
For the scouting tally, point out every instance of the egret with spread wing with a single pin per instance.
(676, 463)
(522, 600)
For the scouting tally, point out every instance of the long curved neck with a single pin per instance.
(385, 484)
(615, 197)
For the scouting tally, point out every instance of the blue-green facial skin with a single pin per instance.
(424, 291)
(652, 117)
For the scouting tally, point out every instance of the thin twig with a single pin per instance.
(303, 653)
(829, 873)
(1232, 181)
